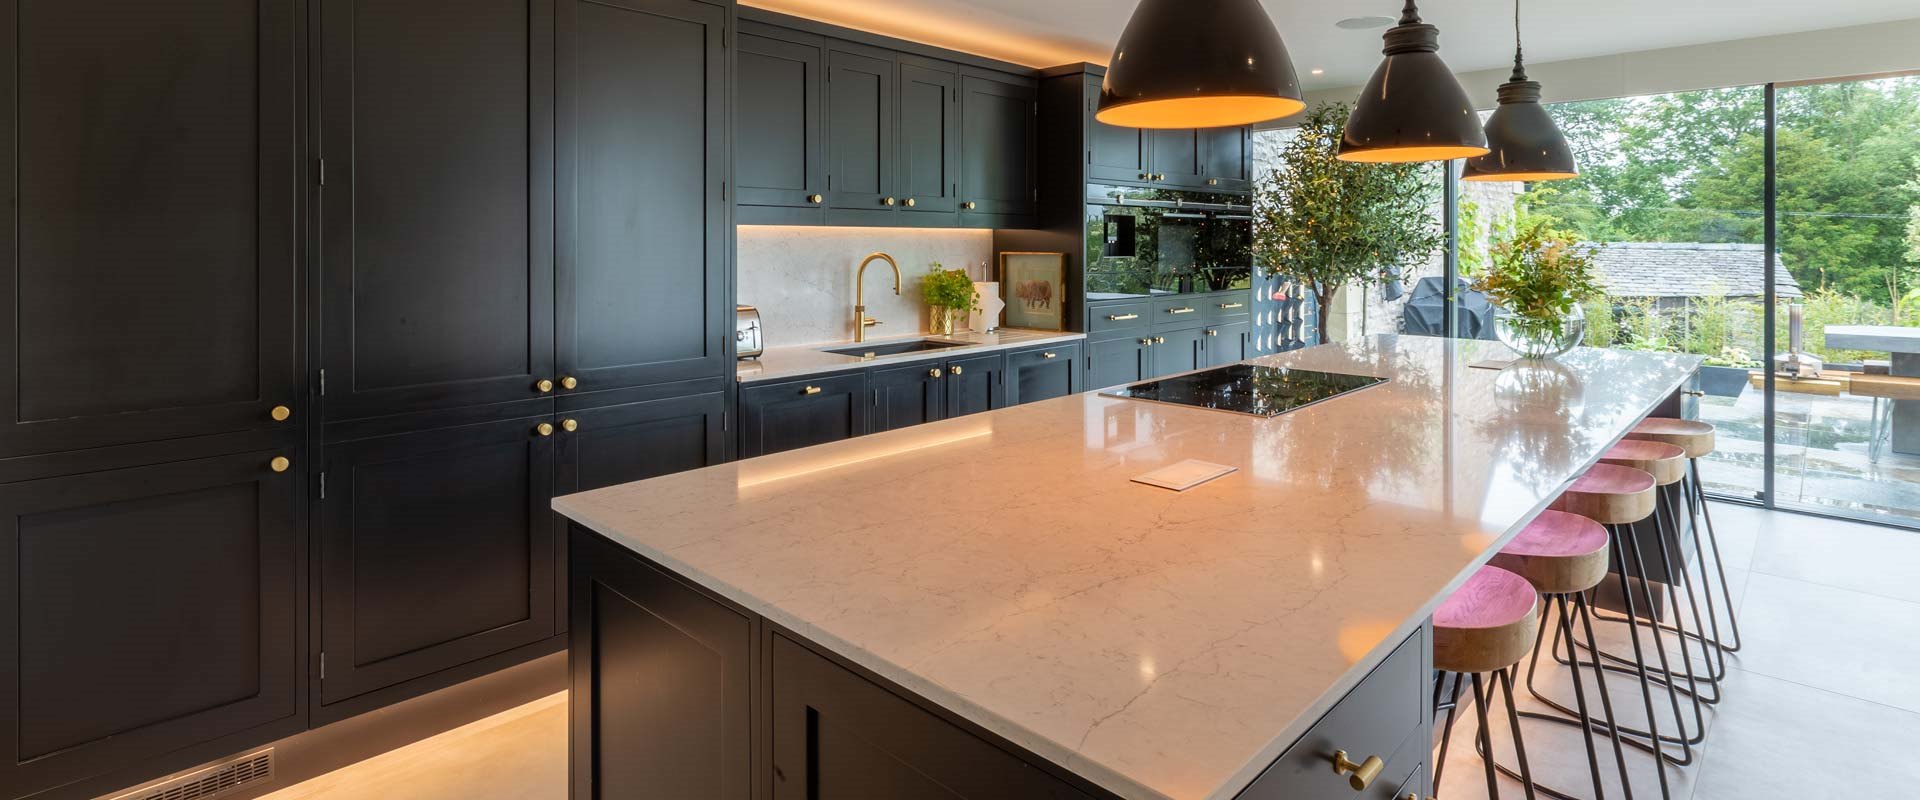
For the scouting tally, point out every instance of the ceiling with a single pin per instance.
(1474, 34)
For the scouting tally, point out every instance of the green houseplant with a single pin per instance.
(947, 292)
(1537, 277)
(1330, 223)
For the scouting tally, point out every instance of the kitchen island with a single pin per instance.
(833, 621)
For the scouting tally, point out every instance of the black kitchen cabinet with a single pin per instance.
(642, 292)
(1114, 362)
(1114, 154)
(802, 413)
(436, 549)
(150, 240)
(642, 631)
(907, 396)
(147, 609)
(600, 447)
(1176, 157)
(976, 384)
(1228, 343)
(929, 136)
(1213, 159)
(997, 172)
(437, 212)
(1043, 373)
(1227, 153)
(1178, 351)
(781, 155)
(861, 122)
(838, 736)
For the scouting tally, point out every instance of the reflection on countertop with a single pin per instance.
(813, 359)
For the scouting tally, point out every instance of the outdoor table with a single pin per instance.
(1904, 345)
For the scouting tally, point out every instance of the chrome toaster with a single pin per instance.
(747, 342)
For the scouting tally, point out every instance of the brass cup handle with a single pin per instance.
(1358, 775)
(544, 386)
(1180, 310)
(569, 382)
(1121, 317)
(279, 464)
(280, 413)
(569, 425)
(911, 203)
(544, 429)
(956, 370)
(934, 373)
(815, 199)
(887, 202)
(1049, 355)
(810, 390)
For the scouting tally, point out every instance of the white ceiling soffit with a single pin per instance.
(1474, 34)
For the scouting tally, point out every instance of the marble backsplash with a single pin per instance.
(801, 278)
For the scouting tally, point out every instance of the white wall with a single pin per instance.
(801, 278)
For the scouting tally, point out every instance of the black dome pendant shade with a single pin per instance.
(1198, 64)
(1525, 144)
(1413, 109)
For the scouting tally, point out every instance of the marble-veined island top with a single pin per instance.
(1160, 644)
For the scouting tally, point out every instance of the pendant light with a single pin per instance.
(1211, 64)
(1525, 144)
(1413, 109)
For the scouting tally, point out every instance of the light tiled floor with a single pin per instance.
(1823, 702)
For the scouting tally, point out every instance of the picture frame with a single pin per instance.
(1034, 286)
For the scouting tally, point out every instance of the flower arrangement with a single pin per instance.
(947, 292)
(1539, 276)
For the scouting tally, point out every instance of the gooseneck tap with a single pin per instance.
(860, 319)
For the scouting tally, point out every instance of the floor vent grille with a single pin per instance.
(211, 781)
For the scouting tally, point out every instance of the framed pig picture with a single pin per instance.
(1035, 288)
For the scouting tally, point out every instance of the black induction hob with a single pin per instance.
(1248, 388)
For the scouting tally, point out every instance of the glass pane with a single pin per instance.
(1848, 166)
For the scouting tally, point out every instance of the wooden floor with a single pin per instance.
(517, 754)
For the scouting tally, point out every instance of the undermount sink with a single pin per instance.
(894, 348)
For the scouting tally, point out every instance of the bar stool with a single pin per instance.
(1485, 628)
(1617, 497)
(1564, 556)
(1697, 438)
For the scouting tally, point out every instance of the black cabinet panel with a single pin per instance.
(1226, 344)
(1176, 157)
(436, 549)
(144, 610)
(1118, 361)
(437, 218)
(661, 689)
(1043, 373)
(998, 174)
(976, 384)
(1177, 351)
(642, 269)
(637, 441)
(150, 236)
(837, 736)
(905, 396)
(1115, 153)
(781, 157)
(860, 130)
(1386, 715)
(802, 413)
(929, 138)
(1226, 151)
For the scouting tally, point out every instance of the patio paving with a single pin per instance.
(1822, 455)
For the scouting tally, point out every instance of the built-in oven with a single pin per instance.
(1144, 242)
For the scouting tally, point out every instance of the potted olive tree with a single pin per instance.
(1330, 223)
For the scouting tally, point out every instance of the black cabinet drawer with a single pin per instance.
(1043, 373)
(1229, 307)
(802, 413)
(1387, 710)
(1180, 310)
(1112, 318)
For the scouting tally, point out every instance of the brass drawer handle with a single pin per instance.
(956, 369)
(1049, 355)
(280, 413)
(1232, 305)
(810, 390)
(934, 373)
(1121, 317)
(1358, 775)
(1179, 310)
(569, 425)
(279, 464)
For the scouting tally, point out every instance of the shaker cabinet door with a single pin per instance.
(1043, 373)
(1115, 154)
(1226, 152)
(1227, 344)
(1178, 351)
(780, 155)
(1115, 362)
(437, 218)
(907, 396)
(642, 294)
(860, 132)
(1177, 158)
(802, 413)
(150, 238)
(143, 610)
(929, 137)
(976, 384)
(997, 176)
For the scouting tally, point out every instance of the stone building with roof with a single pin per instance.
(1675, 273)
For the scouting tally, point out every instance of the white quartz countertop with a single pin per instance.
(812, 359)
(1161, 644)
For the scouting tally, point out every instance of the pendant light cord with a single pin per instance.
(1519, 67)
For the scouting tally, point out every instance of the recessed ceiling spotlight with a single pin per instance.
(1318, 71)
(1363, 23)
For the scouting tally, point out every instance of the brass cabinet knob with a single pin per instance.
(279, 464)
(815, 199)
(934, 373)
(544, 386)
(1146, 176)
(956, 369)
(1212, 332)
(887, 202)
(1213, 181)
(969, 206)
(1159, 340)
(569, 382)
(280, 413)
(910, 202)
(1360, 775)
(1147, 342)
(544, 429)
(810, 390)
(570, 425)
(1049, 355)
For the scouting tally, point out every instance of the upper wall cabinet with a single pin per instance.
(997, 178)
(1214, 159)
(642, 289)
(1228, 155)
(150, 240)
(781, 161)
(929, 137)
(860, 131)
(437, 223)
